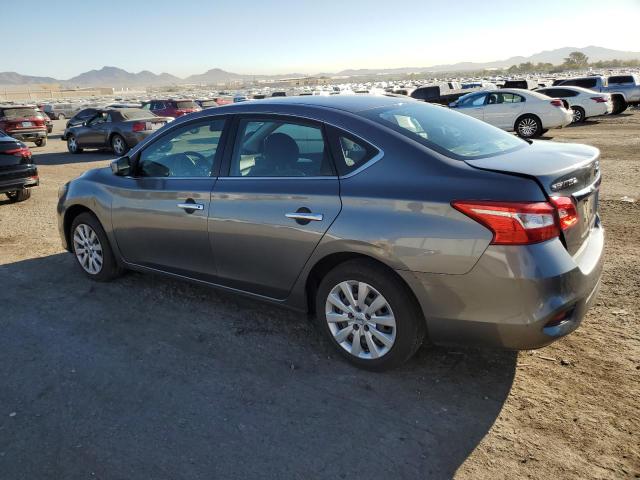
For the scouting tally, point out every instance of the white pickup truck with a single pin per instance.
(624, 89)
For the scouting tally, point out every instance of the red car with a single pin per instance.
(23, 123)
(171, 108)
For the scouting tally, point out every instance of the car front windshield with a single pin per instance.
(453, 134)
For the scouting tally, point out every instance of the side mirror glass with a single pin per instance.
(121, 166)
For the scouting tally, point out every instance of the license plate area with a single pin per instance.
(27, 124)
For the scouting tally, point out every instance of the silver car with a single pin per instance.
(392, 220)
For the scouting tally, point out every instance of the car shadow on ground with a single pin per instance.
(147, 377)
(63, 158)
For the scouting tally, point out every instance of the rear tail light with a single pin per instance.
(513, 223)
(567, 213)
(599, 99)
(23, 152)
(557, 103)
(180, 112)
(139, 126)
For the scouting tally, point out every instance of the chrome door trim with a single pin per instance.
(304, 216)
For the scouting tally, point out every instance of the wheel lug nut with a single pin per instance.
(356, 327)
(366, 328)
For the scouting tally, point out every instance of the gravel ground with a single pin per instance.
(152, 378)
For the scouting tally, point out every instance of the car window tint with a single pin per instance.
(353, 154)
(188, 151)
(279, 149)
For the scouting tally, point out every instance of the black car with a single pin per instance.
(18, 173)
(116, 128)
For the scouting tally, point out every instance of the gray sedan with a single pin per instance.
(392, 220)
(116, 128)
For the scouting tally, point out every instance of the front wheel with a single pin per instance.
(92, 250)
(19, 195)
(118, 145)
(72, 144)
(528, 127)
(61, 116)
(369, 315)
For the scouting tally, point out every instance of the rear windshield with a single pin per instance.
(186, 104)
(19, 112)
(134, 113)
(453, 134)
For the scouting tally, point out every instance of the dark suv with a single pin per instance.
(171, 108)
(23, 122)
(17, 170)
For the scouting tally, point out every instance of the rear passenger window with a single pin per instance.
(353, 153)
(275, 148)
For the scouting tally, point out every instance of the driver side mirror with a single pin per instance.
(121, 166)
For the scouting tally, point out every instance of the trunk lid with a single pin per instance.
(561, 169)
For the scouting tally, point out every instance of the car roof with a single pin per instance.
(349, 103)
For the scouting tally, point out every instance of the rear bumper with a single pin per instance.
(133, 139)
(23, 176)
(28, 135)
(512, 296)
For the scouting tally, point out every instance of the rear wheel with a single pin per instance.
(528, 126)
(19, 195)
(619, 105)
(92, 250)
(119, 145)
(41, 142)
(578, 115)
(72, 144)
(61, 116)
(369, 315)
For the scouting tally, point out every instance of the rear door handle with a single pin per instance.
(305, 217)
(191, 206)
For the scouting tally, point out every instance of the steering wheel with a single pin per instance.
(198, 160)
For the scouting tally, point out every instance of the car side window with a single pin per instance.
(353, 153)
(473, 101)
(274, 148)
(98, 119)
(511, 98)
(188, 151)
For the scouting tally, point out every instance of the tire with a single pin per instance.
(395, 341)
(578, 115)
(72, 144)
(61, 116)
(619, 105)
(19, 195)
(87, 235)
(528, 126)
(119, 145)
(41, 142)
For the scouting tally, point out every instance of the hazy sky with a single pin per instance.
(63, 39)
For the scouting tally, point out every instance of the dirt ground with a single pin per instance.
(152, 378)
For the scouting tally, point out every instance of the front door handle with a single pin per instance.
(191, 206)
(305, 216)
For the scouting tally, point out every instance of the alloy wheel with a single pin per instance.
(577, 116)
(88, 250)
(118, 145)
(72, 143)
(360, 319)
(527, 127)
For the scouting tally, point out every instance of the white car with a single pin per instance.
(529, 114)
(585, 103)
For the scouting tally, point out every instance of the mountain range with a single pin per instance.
(117, 77)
